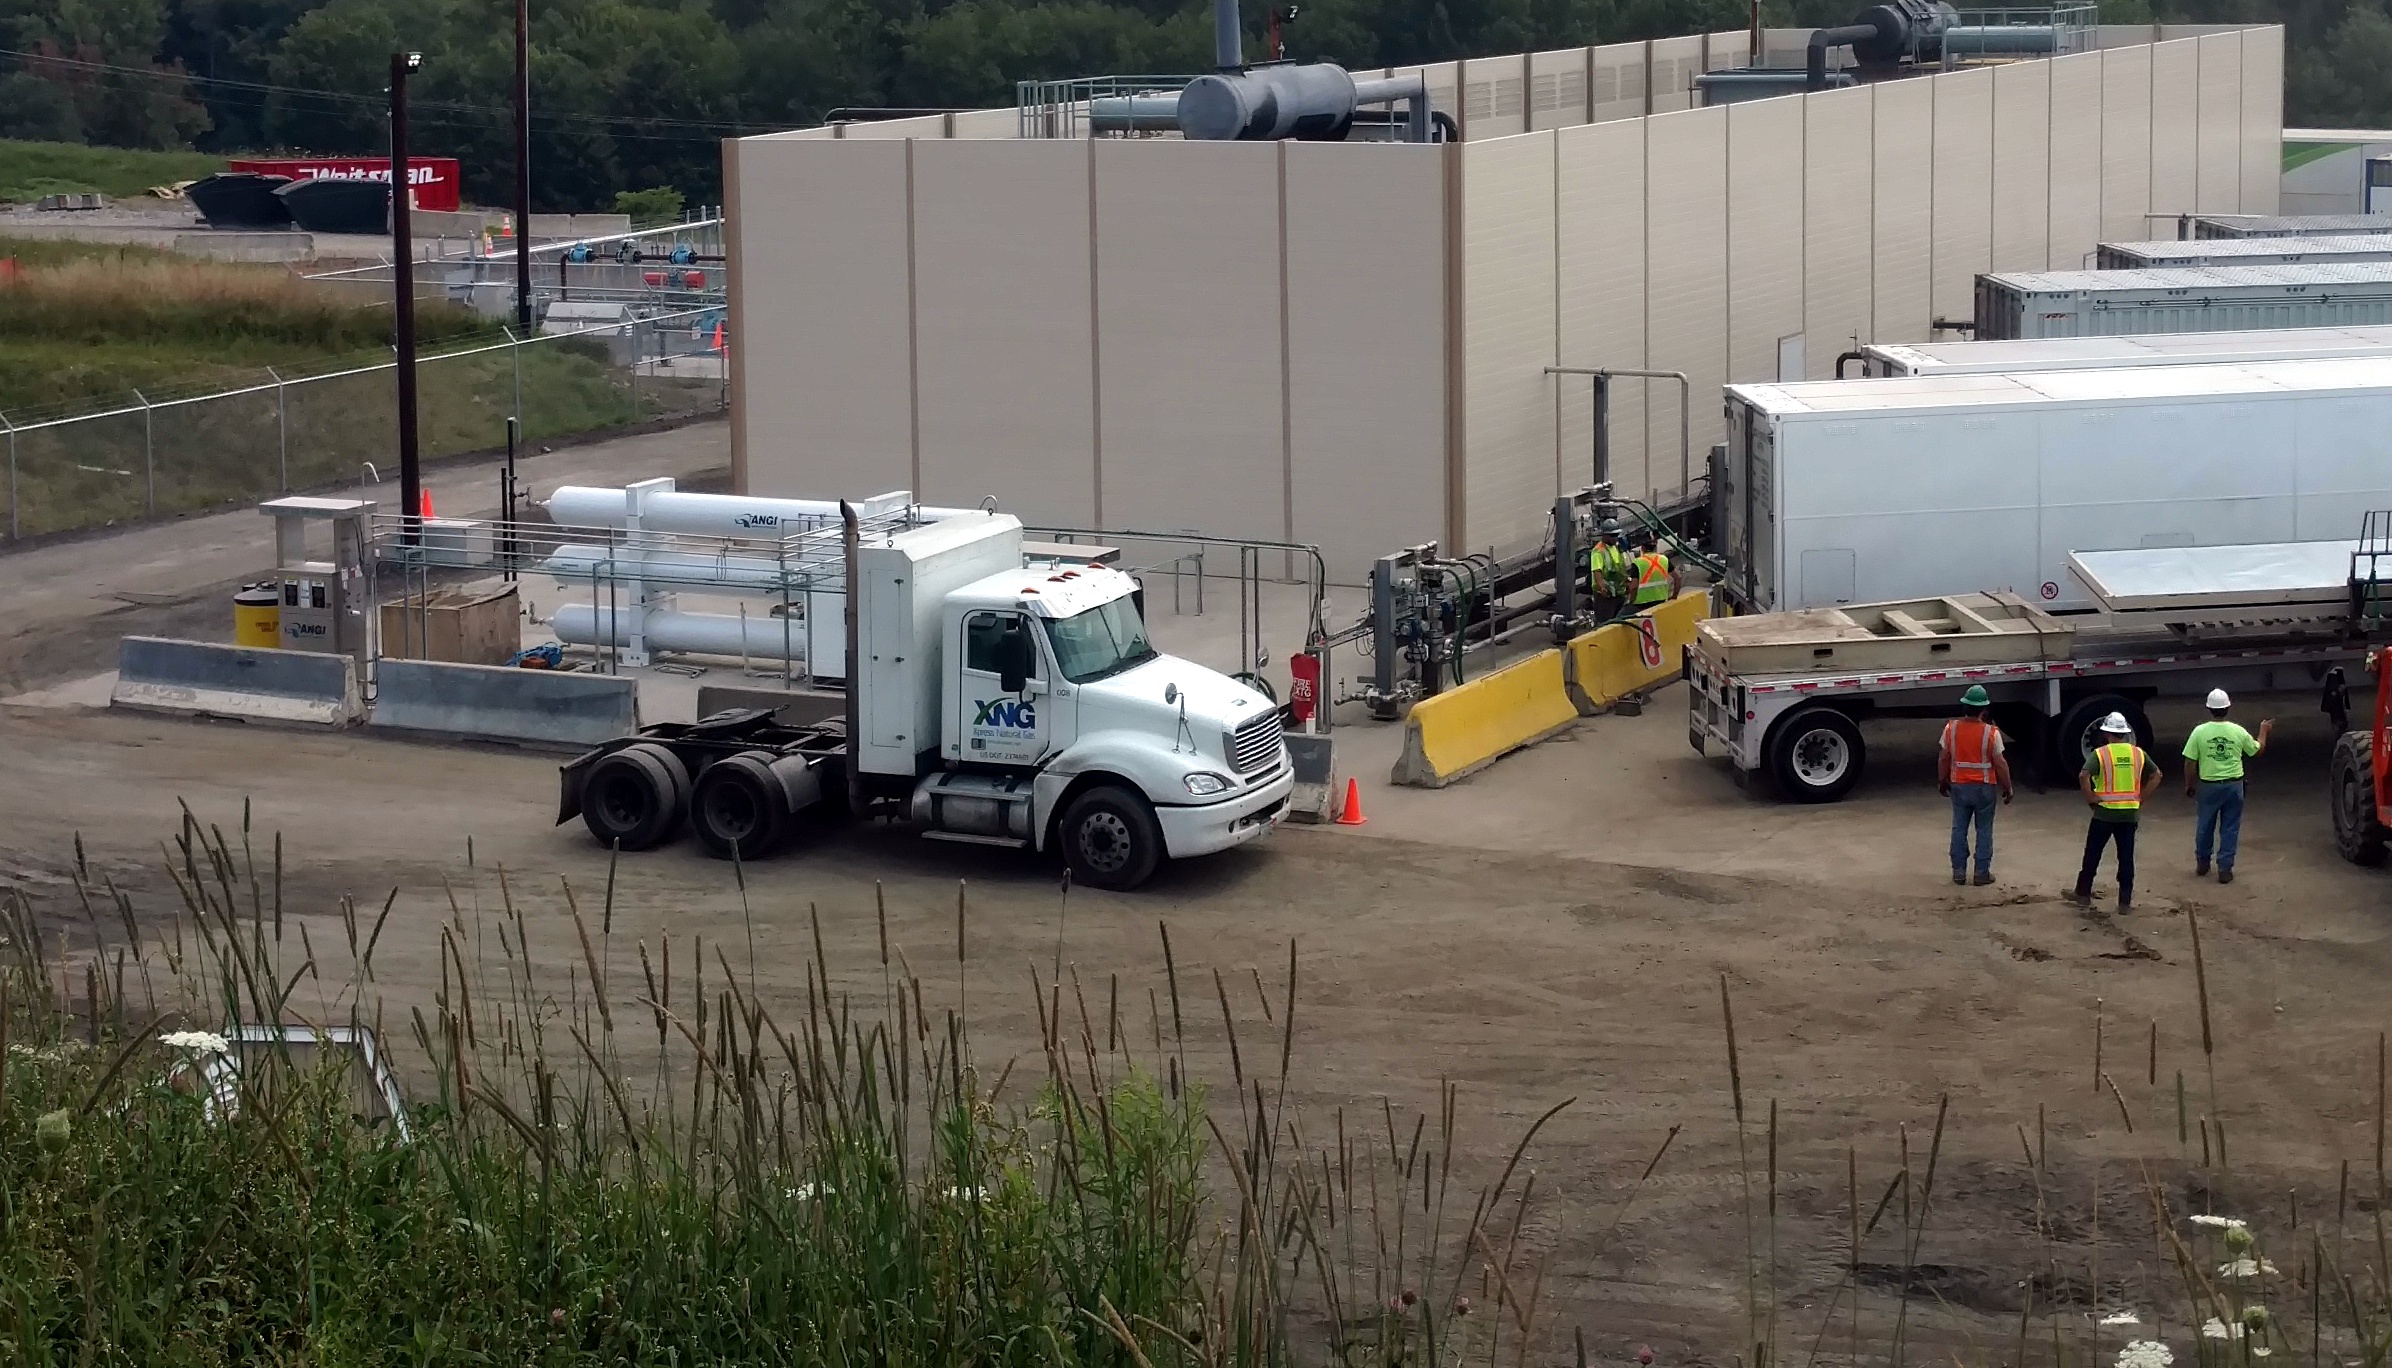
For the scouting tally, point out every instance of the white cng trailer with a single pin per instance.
(2174, 253)
(2110, 353)
(2192, 299)
(1834, 492)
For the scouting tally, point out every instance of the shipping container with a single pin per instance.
(2251, 251)
(2195, 299)
(2288, 225)
(2109, 353)
(1837, 492)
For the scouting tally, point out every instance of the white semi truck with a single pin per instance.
(2123, 351)
(991, 698)
(1836, 492)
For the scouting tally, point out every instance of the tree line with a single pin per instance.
(630, 94)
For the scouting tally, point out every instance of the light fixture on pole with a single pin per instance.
(402, 244)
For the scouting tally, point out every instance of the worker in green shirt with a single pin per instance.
(2213, 776)
(1607, 573)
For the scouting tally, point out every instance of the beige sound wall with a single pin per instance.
(1775, 234)
(1240, 339)
(1353, 344)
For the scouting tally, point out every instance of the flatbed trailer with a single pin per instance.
(1805, 729)
(2175, 622)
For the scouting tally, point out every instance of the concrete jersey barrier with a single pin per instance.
(1623, 658)
(241, 683)
(1473, 724)
(503, 703)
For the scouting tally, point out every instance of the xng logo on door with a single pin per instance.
(1006, 714)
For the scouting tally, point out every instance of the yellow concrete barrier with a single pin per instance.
(1471, 724)
(1613, 661)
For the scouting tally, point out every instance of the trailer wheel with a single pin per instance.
(1816, 755)
(2350, 784)
(740, 807)
(634, 797)
(2080, 731)
(1111, 839)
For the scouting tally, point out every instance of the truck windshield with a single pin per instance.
(1106, 639)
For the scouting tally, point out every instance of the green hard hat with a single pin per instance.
(1976, 697)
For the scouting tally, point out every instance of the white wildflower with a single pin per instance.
(197, 1042)
(2260, 1351)
(807, 1192)
(2216, 1329)
(2220, 1222)
(967, 1194)
(2145, 1354)
(2122, 1318)
(2245, 1267)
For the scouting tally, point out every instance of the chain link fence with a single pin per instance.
(159, 456)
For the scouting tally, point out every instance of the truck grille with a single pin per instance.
(1254, 744)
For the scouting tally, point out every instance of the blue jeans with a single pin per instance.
(1973, 803)
(2220, 815)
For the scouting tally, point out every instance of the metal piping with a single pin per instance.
(1602, 377)
(1821, 41)
(1842, 357)
(1229, 49)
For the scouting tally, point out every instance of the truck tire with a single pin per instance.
(634, 798)
(2079, 732)
(1816, 755)
(740, 807)
(2350, 785)
(1110, 839)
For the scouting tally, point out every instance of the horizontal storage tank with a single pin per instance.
(1840, 492)
(2202, 299)
(2110, 353)
(2253, 251)
(2288, 225)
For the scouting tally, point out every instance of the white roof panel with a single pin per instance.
(2029, 389)
(2193, 278)
(2061, 353)
(2268, 574)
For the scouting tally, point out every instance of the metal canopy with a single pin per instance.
(2264, 575)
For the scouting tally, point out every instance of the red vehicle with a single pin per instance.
(436, 183)
(2359, 778)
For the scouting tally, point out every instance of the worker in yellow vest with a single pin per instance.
(1656, 582)
(1971, 770)
(2116, 779)
(1607, 574)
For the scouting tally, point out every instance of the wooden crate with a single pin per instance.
(460, 626)
(1912, 634)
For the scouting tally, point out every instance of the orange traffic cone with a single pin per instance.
(423, 500)
(1352, 815)
(718, 337)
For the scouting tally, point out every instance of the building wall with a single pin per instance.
(1242, 339)
(1349, 344)
(1840, 217)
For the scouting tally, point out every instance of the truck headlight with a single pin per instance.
(1205, 785)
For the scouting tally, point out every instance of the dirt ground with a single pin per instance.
(1555, 928)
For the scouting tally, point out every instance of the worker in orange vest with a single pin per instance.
(2117, 777)
(1970, 769)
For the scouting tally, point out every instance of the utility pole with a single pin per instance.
(402, 267)
(523, 167)
(1752, 55)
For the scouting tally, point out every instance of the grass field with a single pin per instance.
(88, 329)
(30, 170)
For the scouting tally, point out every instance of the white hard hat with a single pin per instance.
(2218, 701)
(2117, 724)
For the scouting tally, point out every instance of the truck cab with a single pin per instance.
(991, 698)
(1061, 725)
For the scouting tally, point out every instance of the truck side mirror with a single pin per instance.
(1017, 655)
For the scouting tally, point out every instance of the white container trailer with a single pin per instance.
(2193, 299)
(1849, 492)
(2022, 355)
(2286, 225)
(2252, 251)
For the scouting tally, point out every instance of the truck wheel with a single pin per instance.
(1816, 755)
(740, 808)
(2359, 833)
(1111, 839)
(634, 797)
(2080, 731)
